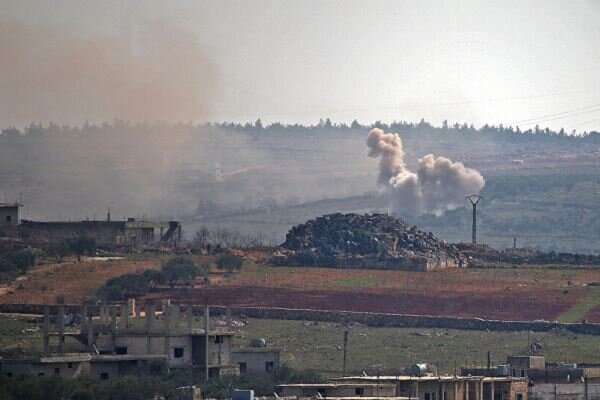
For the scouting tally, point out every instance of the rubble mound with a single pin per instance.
(377, 240)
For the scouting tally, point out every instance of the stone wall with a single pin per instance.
(345, 317)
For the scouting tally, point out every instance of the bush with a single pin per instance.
(180, 270)
(124, 286)
(229, 262)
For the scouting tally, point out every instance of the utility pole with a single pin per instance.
(474, 199)
(345, 347)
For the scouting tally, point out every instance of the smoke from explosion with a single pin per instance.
(437, 186)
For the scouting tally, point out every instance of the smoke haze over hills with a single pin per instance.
(50, 73)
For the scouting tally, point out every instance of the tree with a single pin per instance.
(83, 246)
(155, 277)
(22, 259)
(180, 269)
(59, 251)
(125, 286)
(229, 262)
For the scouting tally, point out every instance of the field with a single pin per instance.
(566, 294)
(318, 346)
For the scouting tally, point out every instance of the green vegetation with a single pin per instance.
(176, 271)
(16, 262)
(79, 247)
(229, 262)
(318, 346)
(577, 313)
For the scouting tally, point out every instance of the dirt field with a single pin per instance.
(504, 306)
(508, 294)
(70, 280)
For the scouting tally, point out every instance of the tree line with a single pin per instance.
(117, 127)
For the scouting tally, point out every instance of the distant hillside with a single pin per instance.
(541, 186)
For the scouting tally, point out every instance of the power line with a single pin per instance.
(550, 117)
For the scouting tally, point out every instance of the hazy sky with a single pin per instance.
(296, 61)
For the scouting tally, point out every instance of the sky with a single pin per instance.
(510, 62)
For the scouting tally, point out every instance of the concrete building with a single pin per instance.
(114, 342)
(448, 387)
(337, 390)
(103, 232)
(9, 213)
(549, 381)
(256, 359)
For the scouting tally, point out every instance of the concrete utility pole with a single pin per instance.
(345, 353)
(474, 199)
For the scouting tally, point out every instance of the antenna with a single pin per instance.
(474, 199)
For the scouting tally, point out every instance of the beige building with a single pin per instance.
(256, 359)
(337, 390)
(9, 213)
(449, 387)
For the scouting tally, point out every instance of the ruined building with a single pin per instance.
(117, 340)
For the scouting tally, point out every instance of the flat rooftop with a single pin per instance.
(447, 378)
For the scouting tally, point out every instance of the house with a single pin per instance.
(448, 387)
(549, 381)
(256, 359)
(337, 390)
(9, 213)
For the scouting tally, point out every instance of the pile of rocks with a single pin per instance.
(339, 238)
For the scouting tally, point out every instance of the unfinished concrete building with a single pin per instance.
(448, 387)
(113, 342)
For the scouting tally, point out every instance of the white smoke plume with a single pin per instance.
(437, 186)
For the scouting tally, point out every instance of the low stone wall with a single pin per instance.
(346, 317)
(404, 320)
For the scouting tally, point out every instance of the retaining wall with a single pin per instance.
(345, 317)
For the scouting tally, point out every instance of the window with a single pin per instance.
(56, 371)
(218, 339)
(8, 218)
(359, 391)
(522, 373)
(445, 395)
(427, 396)
(432, 395)
(243, 367)
(104, 376)
(40, 374)
(121, 350)
(269, 366)
(497, 396)
(70, 365)
(519, 396)
(9, 374)
(322, 392)
(178, 352)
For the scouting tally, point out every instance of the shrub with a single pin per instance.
(229, 262)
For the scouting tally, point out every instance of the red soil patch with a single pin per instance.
(70, 280)
(509, 306)
(593, 315)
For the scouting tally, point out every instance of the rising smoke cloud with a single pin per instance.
(438, 184)
(51, 74)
